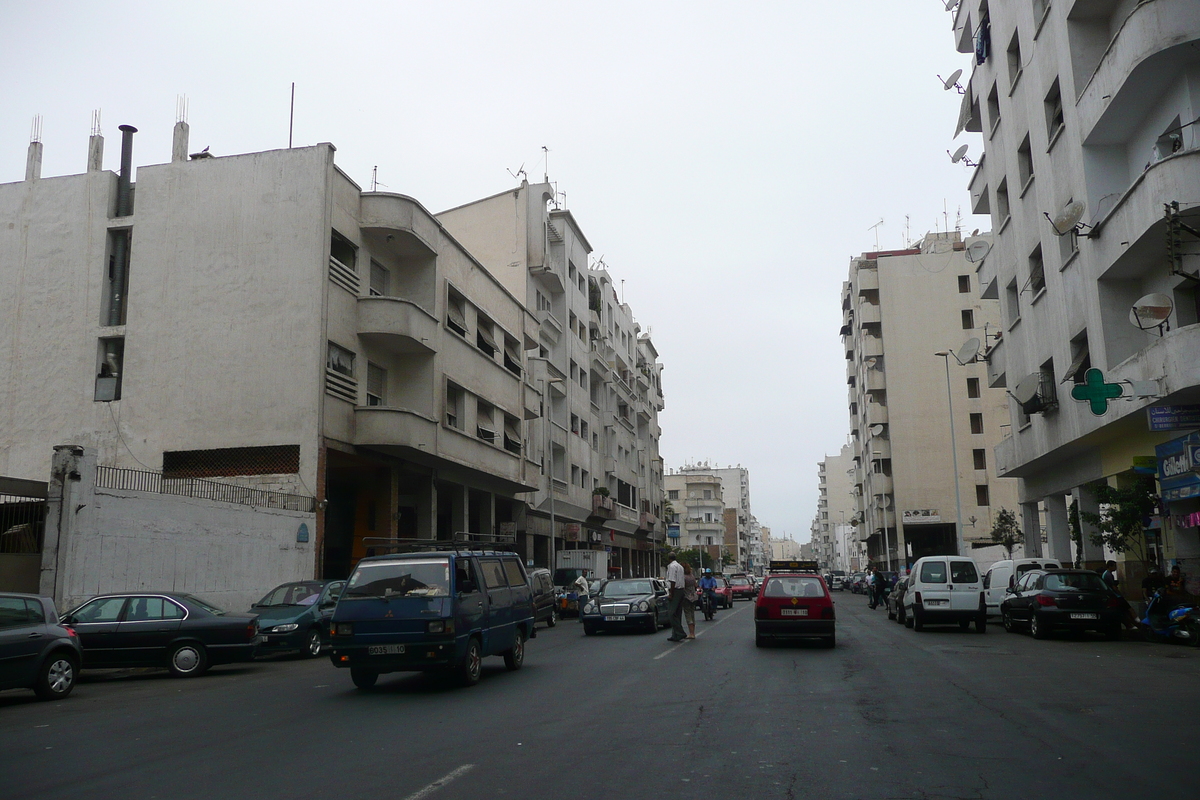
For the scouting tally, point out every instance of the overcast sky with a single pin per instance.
(725, 159)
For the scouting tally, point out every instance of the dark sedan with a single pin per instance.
(894, 601)
(36, 651)
(294, 617)
(161, 629)
(545, 598)
(628, 603)
(1063, 599)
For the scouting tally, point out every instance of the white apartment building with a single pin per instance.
(699, 511)
(902, 309)
(790, 550)
(757, 555)
(1089, 111)
(735, 488)
(836, 508)
(259, 319)
(602, 374)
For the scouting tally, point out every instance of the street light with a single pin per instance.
(549, 450)
(958, 531)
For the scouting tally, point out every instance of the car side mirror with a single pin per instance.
(66, 619)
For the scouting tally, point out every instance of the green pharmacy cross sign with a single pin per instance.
(1095, 392)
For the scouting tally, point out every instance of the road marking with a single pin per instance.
(446, 779)
(701, 633)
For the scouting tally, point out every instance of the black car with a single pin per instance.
(638, 603)
(545, 598)
(1062, 599)
(894, 601)
(161, 629)
(36, 651)
(294, 617)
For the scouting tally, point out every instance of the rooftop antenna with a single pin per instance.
(96, 122)
(292, 115)
(35, 130)
(946, 215)
(181, 108)
(907, 232)
(958, 219)
(545, 164)
(875, 228)
(622, 291)
(375, 184)
(520, 173)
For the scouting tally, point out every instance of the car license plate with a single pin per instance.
(385, 649)
(793, 612)
(615, 618)
(260, 639)
(937, 602)
(1085, 616)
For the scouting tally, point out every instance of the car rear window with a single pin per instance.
(1075, 582)
(794, 587)
(963, 572)
(933, 572)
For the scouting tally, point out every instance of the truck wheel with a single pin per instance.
(363, 678)
(553, 619)
(471, 668)
(515, 657)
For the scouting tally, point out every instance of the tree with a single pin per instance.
(1076, 532)
(1006, 532)
(1124, 514)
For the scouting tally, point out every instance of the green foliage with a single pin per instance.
(1006, 532)
(1121, 523)
(601, 490)
(1076, 532)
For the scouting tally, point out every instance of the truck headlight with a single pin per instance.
(441, 626)
(343, 629)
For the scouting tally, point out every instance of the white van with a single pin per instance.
(1003, 575)
(945, 590)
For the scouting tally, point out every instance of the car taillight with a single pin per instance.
(1045, 600)
(760, 612)
(252, 629)
(827, 612)
(71, 631)
(917, 597)
(342, 629)
(1114, 602)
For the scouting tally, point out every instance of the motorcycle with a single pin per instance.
(708, 604)
(1181, 623)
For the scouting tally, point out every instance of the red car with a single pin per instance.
(794, 606)
(742, 587)
(724, 592)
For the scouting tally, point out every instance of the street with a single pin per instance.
(888, 714)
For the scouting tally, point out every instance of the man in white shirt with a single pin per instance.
(582, 588)
(675, 579)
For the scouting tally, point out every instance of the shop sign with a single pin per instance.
(571, 531)
(1178, 463)
(672, 531)
(920, 516)
(1171, 418)
(508, 529)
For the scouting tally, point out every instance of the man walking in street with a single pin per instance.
(675, 583)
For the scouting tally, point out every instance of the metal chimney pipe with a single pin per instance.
(124, 196)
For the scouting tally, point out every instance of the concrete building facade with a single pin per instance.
(1088, 118)
(735, 488)
(902, 309)
(836, 508)
(700, 513)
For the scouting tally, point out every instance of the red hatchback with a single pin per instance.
(793, 606)
(742, 587)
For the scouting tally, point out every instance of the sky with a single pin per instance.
(725, 159)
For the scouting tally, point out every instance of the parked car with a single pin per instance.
(432, 610)
(894, 601)
(794, 606)
(858, 582)
(1003, 575)
(837, 580)
(36, 651)
(638, 603)
(945, 590)
(295, 616)
(724, 592)
(742, 587)
(545, 598)
(1063, 599)
(161, 629)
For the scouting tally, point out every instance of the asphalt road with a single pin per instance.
(888, 714)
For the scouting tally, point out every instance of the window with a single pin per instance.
(512, 355)
(454, 403)
(1012, 305)
(933, 572)
(981, 495)
(340, 360)
(977, 423)
(376, 385)
(980, 457)
(281, 459)
(1002, 211)
(456, 313)
(708, 494)
(109, 370)
(973, 387)
(512, 434)
(117, 283)
(1054, 112)
(343, 250)
(493, 573)
(968, 319)
(484, 339)
(1081, 359)
(672, 494)
(16, 612)
(575, 475)
(514, 572)
(993, 107)
(485, 427)
(1014, 60)
(963, 572)
(964, 284)
(106, 609)
(1037, 272)
(148, 609)
(379, 280)
(1025, 163)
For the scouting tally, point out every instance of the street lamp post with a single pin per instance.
(548, 455)
(958, 530)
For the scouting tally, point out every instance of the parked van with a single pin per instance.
(432, 610)
(945, 590)
(1003, 575)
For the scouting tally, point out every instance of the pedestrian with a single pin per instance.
(873, 588)
(583, 591)
(675, 586)
(1152, 583)
(1113, 580)
(689, 600)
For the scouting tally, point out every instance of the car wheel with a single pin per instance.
(187, 660)
(918, 624)
(552, 620)
(363, 678)
(313, 645)
(831, 642)
(471, 668)
(1006, 619)
(1037, 629)
(891, 614)
(760, 641)
(900, 617)
(981, 621)
(963, 624)
(588, 629)
(515, 657)
(56, 677)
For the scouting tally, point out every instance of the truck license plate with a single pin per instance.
(1085, 616)
(385, 649)
(794, 612)
(615, 618)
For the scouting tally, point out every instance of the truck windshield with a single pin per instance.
(390, 579)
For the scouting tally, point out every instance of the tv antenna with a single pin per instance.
(952, 82)
(545, 164)
(1068, 219)
(520, 173)
(375, 184)
(875, 228)
(961, 155)
(1152, 311)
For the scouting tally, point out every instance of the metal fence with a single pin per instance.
(21, 523)
(154, 482)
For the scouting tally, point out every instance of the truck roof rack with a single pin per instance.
(462, 541)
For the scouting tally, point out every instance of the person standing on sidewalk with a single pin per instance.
(689, 600)
(675, 585)
(872, 588)
(583, 591)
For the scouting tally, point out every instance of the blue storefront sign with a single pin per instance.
(1173, 418)
(673, 531)
(1179, 468)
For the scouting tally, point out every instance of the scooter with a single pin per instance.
(1177, 624)
(708, 604)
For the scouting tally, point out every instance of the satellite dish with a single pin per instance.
(872, 362)
(977, 251)
(877, 430)
(1027, 390)
(882, 501)
(958, 154)
(952, 81)
(1151, 311)
(1068, 218)
(967, 353)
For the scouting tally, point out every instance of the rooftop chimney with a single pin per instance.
(179, 144)
(124, 195)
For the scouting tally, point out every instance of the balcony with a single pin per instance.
(874, 381)
(871, 346)
(880, 483)
(411, 227)
(397, 325)
(880, 448)
(532, 403)
(698, 527)
(647, 521)
(866, 279)
(868, 315)
(996, 367)
(877, 414)
(550, 324)
(602, 507)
